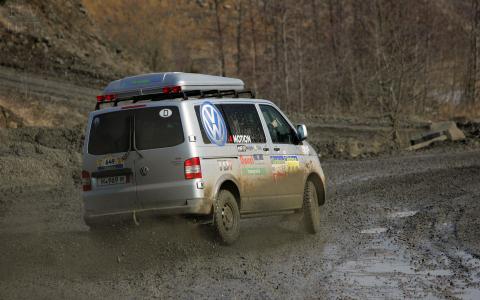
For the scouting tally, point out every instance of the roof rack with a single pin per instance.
(171, 85)
(181, 95)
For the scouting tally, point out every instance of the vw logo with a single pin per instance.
(144, 171)
(213, 124)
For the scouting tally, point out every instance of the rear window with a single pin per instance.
(110, 133)
(243, 123)
(156, 127)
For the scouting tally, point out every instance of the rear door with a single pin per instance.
(159, 140)
(113, 179)
(286, 159)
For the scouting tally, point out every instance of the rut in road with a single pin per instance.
(48, 252)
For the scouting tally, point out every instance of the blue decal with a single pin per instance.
(213, 123)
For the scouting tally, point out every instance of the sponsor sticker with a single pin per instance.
(225, 165)
(110, 163)
(165, 113)
(258, 157)
(292, 163)
(247, 160)
(254, 171)
(213, 123)
(241, 148)
(284, 164)
(242, 139)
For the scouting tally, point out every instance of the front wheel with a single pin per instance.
(311, 210)
(227, 217)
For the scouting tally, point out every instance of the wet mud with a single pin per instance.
(391, 228)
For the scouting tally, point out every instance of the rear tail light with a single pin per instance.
(192, 168)
(86, 181)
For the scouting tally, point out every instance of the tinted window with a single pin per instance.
(158, 127)
(204, 135)
(243, 123)
(109, 133)
(280, 131)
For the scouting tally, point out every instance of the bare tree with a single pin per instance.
(472, 67)
(221, 47)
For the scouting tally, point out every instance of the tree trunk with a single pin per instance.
(254, 44)
(239, 36)
(285, 59)
(220, 37)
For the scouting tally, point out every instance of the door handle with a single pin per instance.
(266, 149)
(276, 149)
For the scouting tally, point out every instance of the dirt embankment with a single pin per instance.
(58, 38)
(38, 158)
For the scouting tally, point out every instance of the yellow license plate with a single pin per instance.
(110, 163)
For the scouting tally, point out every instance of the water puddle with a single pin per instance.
(374, 230)
(383, 268)
(402, 214)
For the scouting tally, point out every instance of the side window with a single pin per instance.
(243, 123)
(280, 131)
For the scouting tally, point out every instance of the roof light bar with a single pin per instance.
(106, 98)
(172, 89)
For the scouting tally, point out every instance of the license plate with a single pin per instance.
(110, 163)
(112, 180)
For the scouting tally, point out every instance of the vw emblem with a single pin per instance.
(213, 124)
(144, 171)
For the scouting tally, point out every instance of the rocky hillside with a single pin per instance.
(59, 38)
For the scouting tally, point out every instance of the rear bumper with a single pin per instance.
(200, 206)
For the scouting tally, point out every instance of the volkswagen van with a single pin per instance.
(194, 144)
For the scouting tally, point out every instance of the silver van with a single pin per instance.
(193, 144)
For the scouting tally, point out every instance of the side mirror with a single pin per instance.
(302, 132)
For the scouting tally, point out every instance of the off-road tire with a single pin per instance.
(226, 217)
(311, 209)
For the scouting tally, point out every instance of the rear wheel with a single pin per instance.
(311, 210)
(227, 217)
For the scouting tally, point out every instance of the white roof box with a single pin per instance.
(153, 83)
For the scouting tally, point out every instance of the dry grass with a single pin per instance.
(448, 111)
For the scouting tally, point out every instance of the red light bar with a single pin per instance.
(111, 97)
(176, 89)
(171, 89)
(106, 98)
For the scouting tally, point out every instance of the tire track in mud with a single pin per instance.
(50, 253)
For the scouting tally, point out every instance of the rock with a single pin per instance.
(353, 149)
(455, 134)
(450, 129)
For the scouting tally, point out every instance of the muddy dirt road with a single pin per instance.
(396, 227)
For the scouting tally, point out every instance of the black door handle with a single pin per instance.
(276, 149)
(266, 149)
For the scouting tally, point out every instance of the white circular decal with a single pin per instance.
(165, 113)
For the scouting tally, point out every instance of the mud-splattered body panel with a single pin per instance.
(150, 175)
